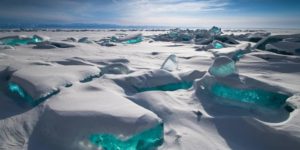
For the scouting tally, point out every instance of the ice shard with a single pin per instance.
(217, 45)
(146, 140)
(251, 96)
(222, 67)
(170, 63)
(168, 87)
(20, 40)
(18, 92)
(215, 31)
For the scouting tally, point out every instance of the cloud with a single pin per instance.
(149, 12)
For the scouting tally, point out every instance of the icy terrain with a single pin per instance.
(142, 90)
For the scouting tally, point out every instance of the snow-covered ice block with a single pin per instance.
(37, 82)
(170, 63)
(91, 116)
(215, 31)
(223, 66)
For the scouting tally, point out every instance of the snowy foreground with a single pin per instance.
(61, 91)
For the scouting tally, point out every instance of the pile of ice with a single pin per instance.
(199, 36)
(281, 44)
(121, 38)
(91, 116)
(22, 40)
(251, 37)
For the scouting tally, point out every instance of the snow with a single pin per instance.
(240, 96)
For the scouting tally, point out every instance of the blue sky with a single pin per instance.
(189, 13)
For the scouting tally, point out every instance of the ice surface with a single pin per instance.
(222, 67)
(170, 63)
(146, 140)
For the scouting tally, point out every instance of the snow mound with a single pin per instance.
(83, 116)
(116, 68)
(48, 80)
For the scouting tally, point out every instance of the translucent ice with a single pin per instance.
(215, 31)
(18, 91)
(135, 40)
(15, 88)
(253, 96)
(19, 40)
(222, 66)
(217, 45)
(146, 140)
(170, 63)
(168, 87)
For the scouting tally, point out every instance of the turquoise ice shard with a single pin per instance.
(170, 63)
(222, 67)
(168, 87)
(15, 88)
(17, 91)
(135, 40)
(251, 96)
(20, 40)
(146, 140)
(217, 44)
(215, 31)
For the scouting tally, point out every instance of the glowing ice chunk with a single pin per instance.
(170, 63)
(215, 31)
(217, 45)
(15, 88)
(135, 40)
(168, 87)
(146, 140)
(222, 66)
(252, 96)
